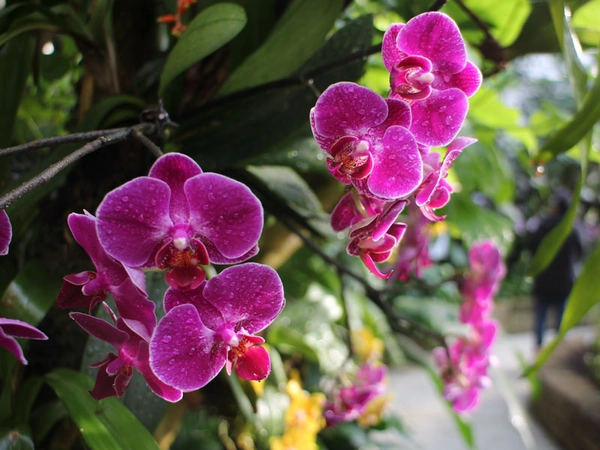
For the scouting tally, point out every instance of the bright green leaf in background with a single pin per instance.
(586, 21)
(296, 37)
(505, 18)
(106, 424)
(209, 31)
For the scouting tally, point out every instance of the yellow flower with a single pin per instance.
(366, 346)
(371, 416)
(303, 419)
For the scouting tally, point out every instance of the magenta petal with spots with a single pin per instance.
(13, 328)
(184, 353)
(179, 218)
(438, 119)
(213, 325)
(398, 169)
(367, 140)
(426, 57)
(88, 288)
(226, 214)
(115, 371)
(5, 232)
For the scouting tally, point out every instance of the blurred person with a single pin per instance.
(552, 286)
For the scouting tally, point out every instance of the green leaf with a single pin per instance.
(286, 184)
(506, 17)
(15, 65)
(584, 295)
(105, 424)
(31, 294)
(473, 223)
(210, 30)
(296, 37)
(585, 22)
(279, 116)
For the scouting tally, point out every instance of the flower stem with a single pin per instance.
(52, 170)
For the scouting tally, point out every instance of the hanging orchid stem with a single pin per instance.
(399, 323)
(137, 131)
(57, 140)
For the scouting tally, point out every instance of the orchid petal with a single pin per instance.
(175, 169)
(5, 232)
(348, 109)
(100, 329)
(161, 389)
(390, 53)
(254, 364)
(437, 37)
(225, 212)
(134, 219)
(249, 295)
(398, 170)
(183, 352)
(438, 119)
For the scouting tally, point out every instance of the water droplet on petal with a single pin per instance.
(166, 339)
(171, 362)
(124, 199)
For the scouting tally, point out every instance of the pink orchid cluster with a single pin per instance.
(383, 147)
(176, 219)
(349, 402)
(13, 328)
(464, 367)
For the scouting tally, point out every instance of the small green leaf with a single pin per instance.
(286, 184)
(105, 424)
(209, 31)
(31, 294)
(585, 21)
(296, 37)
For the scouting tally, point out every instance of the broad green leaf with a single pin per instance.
(210, 30)
(105, 424)
(296, 37)
(17, 20)
(575, 129)
(286, 184)
(31, 294)
(506, 17)
(15, 65)
(279, 118)
(584, 295)
(586, 22)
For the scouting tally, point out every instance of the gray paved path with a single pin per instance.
(501, 422)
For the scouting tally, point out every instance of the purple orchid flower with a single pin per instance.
(428, 66)
(434, 192)
(481, 282)
(348, 402)
(368, 141)
(465, 371)
(115, 371)
(352, 208)
(213, 326)
(178, 218)
(11, 329)
(5, 232)
(88, 288)
(373, 239)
